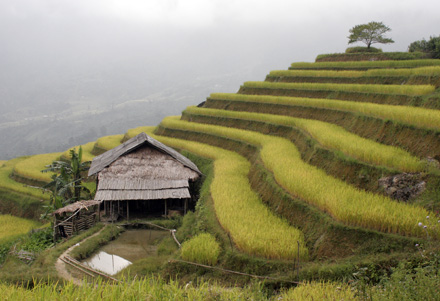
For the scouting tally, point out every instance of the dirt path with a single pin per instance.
(61, 267)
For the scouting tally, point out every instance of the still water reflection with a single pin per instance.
(130, 246)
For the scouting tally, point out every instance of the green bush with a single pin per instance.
(203, 249)
(362, 49)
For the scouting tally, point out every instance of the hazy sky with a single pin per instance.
(48, 44)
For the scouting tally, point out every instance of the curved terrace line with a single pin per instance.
(340, 200)
(331, 136)
(418, 117)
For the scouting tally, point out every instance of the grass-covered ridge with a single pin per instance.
(426, 71)
(418, 117)
(380, 89)
(11, 226)
(341, 201)
(331, 136)
(366, 64)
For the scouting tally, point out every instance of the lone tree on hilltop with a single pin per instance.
(370, 33)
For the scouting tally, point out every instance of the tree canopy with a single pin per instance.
(432, 46)
(370, 33)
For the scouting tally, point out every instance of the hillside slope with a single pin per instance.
(340, 158)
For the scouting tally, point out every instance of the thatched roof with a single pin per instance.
(140, 189)
(102, 161)
(77, 205)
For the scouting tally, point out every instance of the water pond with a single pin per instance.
(130, 246)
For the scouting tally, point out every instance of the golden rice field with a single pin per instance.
(253, 227)
(367, 64)
(12, 226)
(7, 183)
(109, 142)
(32, 166)
(415, 116)
(382, 89)
(86, 148)
(154, 288)
(402, 72)
(331, 136)
(343, 202)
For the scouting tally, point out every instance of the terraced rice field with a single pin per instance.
(253, 227)
(417, 117)
(9, 184)
(331, 136)
(31, 167)
(11, 226)
(340, 200)
(380, 89)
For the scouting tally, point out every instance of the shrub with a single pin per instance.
(203, 249)
(362, 49)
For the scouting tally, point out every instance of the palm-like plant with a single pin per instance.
(66, 185)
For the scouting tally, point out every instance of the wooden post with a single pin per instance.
(166, 207)
(185, 206)
(128, 210)
(118, 207)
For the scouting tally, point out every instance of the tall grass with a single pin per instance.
(12, 226)
(31, 167)
(382, 89)
(343, 202)
(366, 64)
(7, 183)
(418, 117)
(252, 226)
(331, 136)
(403, 72)
(202, 248)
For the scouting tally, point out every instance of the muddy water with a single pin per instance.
(130, 246)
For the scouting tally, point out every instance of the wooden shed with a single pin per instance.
(75, 217)
(144, 177)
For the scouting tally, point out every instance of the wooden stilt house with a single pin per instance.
(144, 177)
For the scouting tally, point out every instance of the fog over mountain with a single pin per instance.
(72, 71)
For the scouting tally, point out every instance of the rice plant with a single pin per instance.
(149, 288)
(9, 184)
(382, 89)
(319, 291)
(11, 226)
(253, 227)
(403, 72)
(366, 64)
(343, 202)
(202, 248)
(331, 136)
(31, 167)
(418, 117)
